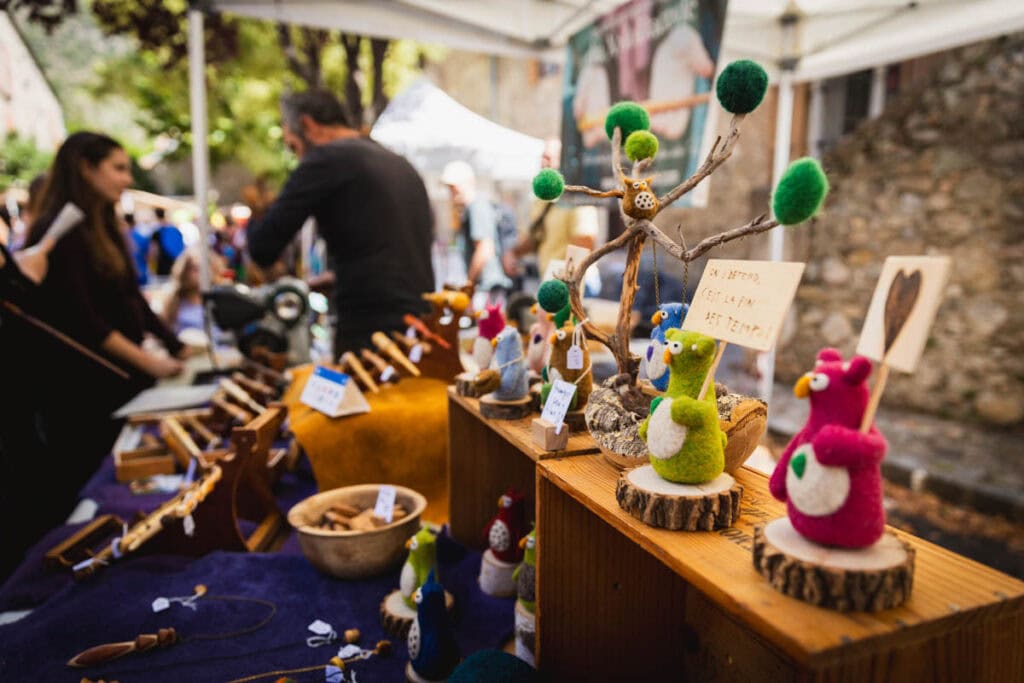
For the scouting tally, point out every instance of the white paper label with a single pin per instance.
(388, 373)
(333, 393)
(190, 526)
(321, 628)
(385, 507)
(410, 332)
(416, 353)
(160, 604)
(574, 358)
(557, 405)
(350, 650)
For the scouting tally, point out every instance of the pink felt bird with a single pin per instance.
(491, 321)
(830, 473)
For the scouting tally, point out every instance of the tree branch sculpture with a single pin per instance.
(740, 88)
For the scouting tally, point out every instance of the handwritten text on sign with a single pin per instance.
(743, 302)
(558, 402)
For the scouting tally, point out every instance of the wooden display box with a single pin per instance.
(670, 605)
(485, 457)
(142, 462)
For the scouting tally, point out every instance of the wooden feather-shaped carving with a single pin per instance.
(899, 304)
(101, 654)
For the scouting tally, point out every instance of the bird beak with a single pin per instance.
(551, 316)
(478, 314)
(802, 388)
(551, 340)
(533, 309)
(656, 318)
(499, 501)
(408, 544)
(494, 342)
(522, 543)
(667, 356)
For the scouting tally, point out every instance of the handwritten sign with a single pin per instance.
(907, 346)
(558, 402)
(333, 393)
(743, 302)
(385, 506)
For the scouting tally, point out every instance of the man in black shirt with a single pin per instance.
(370, 207)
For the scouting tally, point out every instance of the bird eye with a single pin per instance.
(414, 544)
(636, 186)
(675, 348)
(560, 334)
(529, 542)
(417, 597)
(537, 338)
(819, 382)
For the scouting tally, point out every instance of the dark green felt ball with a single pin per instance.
(741, 86)
(553, 295)
(800, 192)
(492, 666)
(629, 116)
(641, 144)
(548, 184)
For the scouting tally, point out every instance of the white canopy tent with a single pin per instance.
(429, 128)
(796, 40)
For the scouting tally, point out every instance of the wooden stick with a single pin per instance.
(409, 343)
(427, 333)
(179, 441)
(709, 378)
(241, 395)
(60, 336)
(101, 654)
(876, 397)
(349, 360)
(254, 386)
(240, 415)
(391, 349)
(385, 369)
(212, 440)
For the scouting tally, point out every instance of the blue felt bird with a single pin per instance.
(665, 318)
(433, 652)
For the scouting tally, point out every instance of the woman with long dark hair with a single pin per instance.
(90, 293)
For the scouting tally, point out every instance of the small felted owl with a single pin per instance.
(638, 200)
(506, 527)
(558, 367)
(421, 562)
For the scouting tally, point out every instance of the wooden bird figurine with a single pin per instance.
(558, 367)
(433, 652)
(685, 442)
(525, 574)
(421, 562)
(507, 526)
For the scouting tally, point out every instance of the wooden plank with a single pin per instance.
(519, 432)
(482, 464)
(950, 591)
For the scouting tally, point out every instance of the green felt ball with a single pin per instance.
(628, 116)
(548, 185)
(553, 295)
(641, 144)
(741, 86)
(800, 192)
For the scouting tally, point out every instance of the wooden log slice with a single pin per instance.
(396, 617)
(744, 421)
(493, 409)
(846, 580)
(465, 385)
(667, 505)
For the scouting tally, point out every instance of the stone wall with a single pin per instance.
(940, 172)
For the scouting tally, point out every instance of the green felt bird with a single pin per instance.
(525, 574)
(684, 440)
(422, 558)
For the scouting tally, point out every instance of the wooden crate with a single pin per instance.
(618, 600)
(485, 457)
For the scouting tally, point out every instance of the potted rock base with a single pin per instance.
(616, 409)
(832, 549)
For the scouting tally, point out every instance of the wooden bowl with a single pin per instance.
(355, 554)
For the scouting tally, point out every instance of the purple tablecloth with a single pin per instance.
(116, 605)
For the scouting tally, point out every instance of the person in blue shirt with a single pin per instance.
(169, 241)
(141, 241)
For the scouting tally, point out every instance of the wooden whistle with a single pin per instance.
(179, 441)
(241, 395)
(212, 440)
(391, 349)
(381, 365)
(237, 413)
(254, 386)
(101, 654)
(409, 343)
(425, 332)
(349, 360)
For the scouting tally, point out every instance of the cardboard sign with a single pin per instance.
(904, 314)
(744, 302)
(333, 393)
(557, 405)
(385, 506)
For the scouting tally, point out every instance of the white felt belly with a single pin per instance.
(482, 352)
(654, 361)
(499, 538)
(413, 639)
(821, 490)
(664, 437)
(407, 582)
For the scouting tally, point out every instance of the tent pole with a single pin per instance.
(200, 153)
(877, 102)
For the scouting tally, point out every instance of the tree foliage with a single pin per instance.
(21, 161)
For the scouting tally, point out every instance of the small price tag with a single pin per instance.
(416, 353)
(160, 604)
(574, 358)
(385, 507)
(189, 525)
(410, 332)
(557, 405)
(350, 650)
(321, 628)
(333, 393)
(388, 373)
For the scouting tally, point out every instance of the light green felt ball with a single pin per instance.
(800, 192)
(641, 144)
(548, 184)
(628, 116)
(741, 86)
